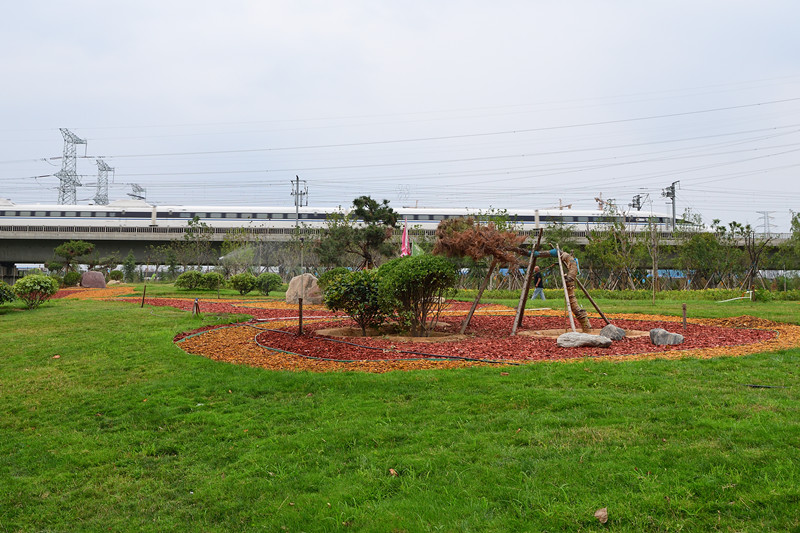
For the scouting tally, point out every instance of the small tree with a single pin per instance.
(329, 275)
(363, 232)
(72, 251)
(417, 286)
(267, 282)
(213, 281)
(72, 278)
(191, 279)
(244, 282)
(35, 289)
(6, 293)
(129, 267)
(357, 294)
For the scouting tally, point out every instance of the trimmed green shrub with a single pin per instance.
(190, 280)
(329, 275)
(417, 287)
(6, 293)
(357, 294)
(213, 280)
(244, 282)
(35, 289)
(268, 282)
(116, 275)
(71, 278)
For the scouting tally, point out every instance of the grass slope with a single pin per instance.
(126, 432)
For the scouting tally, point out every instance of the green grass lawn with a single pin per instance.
(125, 432)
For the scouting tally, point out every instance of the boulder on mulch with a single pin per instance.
(306, 287)
(662, 337)
(575, 340)
(613, 332)
(93, 280)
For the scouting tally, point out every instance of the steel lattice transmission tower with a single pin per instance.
(68, 174)
(101, 196)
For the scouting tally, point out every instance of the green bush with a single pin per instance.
(329, 275)
(357, 294)
(6, 293)
(417, 287)
(35, 289)
(213, 280)
(71, 279)
(190, 280)
(268, 282)
(244, 282)
(116, 275)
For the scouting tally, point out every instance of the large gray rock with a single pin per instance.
(305, 287)
(93, 280)
(575, 340)
(662, 337)
(613, 332)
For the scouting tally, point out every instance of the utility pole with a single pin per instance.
(766, 216)
(669, 192)
(300, 197)
(636, 203)
(68, 174)
(101, 196)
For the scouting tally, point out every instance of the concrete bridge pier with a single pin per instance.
(9, 272)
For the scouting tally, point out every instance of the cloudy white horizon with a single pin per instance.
(515, 105)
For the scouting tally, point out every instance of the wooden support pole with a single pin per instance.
(591, 300)
(465, 324)
(526, 286)
(566, 294)
(300, 312)
(684, 317)
(144, 292)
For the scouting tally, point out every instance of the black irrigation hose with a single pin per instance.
(424, 356)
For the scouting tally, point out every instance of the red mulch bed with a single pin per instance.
(490, 340)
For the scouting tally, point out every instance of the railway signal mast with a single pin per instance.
(68, 174)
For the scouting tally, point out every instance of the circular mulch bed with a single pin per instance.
(271, 341)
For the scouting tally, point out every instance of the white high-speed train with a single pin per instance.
(137, 213)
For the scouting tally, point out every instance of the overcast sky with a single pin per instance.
(515, 104)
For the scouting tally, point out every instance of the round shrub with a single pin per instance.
(329, 275)
(213, 280)
(244, 282)
(357, 294)
(35, 289)
(71, 278)
(6, 293)
(190, 280)
(268, 282)
(116, 275)
(417, 286)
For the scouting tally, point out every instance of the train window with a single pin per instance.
(582, 219)
(86, 214)
(568, 219)
(261, 215)
(437, 217)
(24, 213)
(230, 215)
(70, 213)
(40, 213)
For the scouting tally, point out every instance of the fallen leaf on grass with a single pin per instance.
(602, 515)
(56, 357)
(393, 472)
